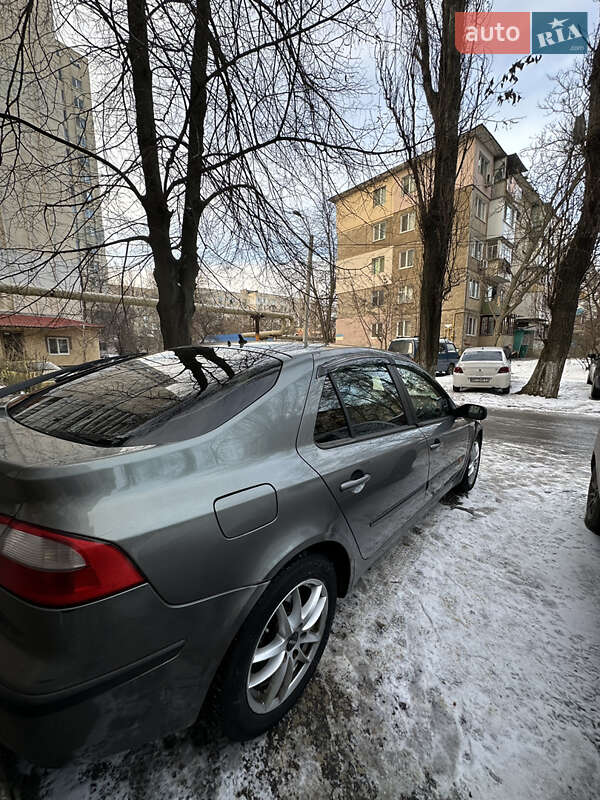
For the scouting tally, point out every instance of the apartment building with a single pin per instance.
(380, 254)
(50, 214)
(253, 300)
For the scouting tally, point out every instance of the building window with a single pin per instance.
(476, 249)
(379, 231)
(490, 293)
(480, 208)
(509, 215)
(487, 326)
(76, 82)
(58, 345)
(81, 122)
(407, 222)
(379, 196)
(60, 77)
(377, 329)
(474, 289)
(483, 165)
(378, 265)
(82, 140)
(471, 326)
(78, 102)
(405, 294)
(403, 328)
(377, 297)
(407, 258)
(408, 184)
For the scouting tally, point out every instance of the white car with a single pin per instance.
(482, 368)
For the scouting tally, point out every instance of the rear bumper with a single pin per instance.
(501, 381)
(118, 701)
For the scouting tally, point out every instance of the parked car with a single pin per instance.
(409, 346)
(187, 520)
(593, 377)
(482, 368)
(592, 511)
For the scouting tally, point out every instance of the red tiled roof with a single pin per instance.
(35, 321)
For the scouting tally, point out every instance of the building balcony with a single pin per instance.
(497, 270)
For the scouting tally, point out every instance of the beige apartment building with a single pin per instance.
(50, 215)
(380, 254)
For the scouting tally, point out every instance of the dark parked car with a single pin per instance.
(186, 521)
(592, 509)
(593, 376)
(447, 353)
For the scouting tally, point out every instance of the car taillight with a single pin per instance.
(458, 369)
(504, 369)
(55, 569)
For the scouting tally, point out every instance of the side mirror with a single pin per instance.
(471, 411)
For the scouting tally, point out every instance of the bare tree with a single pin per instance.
(426, 70)
(204, 113)
(436, 96)
(580, 165)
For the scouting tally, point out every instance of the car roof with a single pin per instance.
(471, 349)
(297, 349)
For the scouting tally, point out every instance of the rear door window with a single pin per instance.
(330, 425)
(370, 398)
(169, 396)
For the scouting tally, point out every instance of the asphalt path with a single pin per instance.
(568, 434)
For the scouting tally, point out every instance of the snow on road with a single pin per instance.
(573, 397)
(465, 665)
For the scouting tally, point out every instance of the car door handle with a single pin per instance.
(434, 445)
(356, 485)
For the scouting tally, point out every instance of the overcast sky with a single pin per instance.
(534, 82)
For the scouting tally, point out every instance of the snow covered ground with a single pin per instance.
(466, 665)
(574, 395)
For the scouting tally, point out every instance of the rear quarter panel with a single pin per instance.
(157, 503)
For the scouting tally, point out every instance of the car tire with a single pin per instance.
(450, 369)
(472, 469)
(456, 389)
(506, 390)
(246, 710)
(592, 511)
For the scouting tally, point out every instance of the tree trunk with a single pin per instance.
(437, 213)
(572, 269)
(176, 301)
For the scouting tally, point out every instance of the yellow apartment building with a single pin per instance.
(380, 253)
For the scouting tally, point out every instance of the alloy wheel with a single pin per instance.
(473, 466)
(287, 646)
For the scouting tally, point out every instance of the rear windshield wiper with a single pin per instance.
(66, 373)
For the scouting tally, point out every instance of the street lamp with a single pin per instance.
(308, 279)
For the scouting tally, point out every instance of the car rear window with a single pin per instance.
(169, 396)
(482, 355)
(405, 347)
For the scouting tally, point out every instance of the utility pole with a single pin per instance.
(308, 280)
